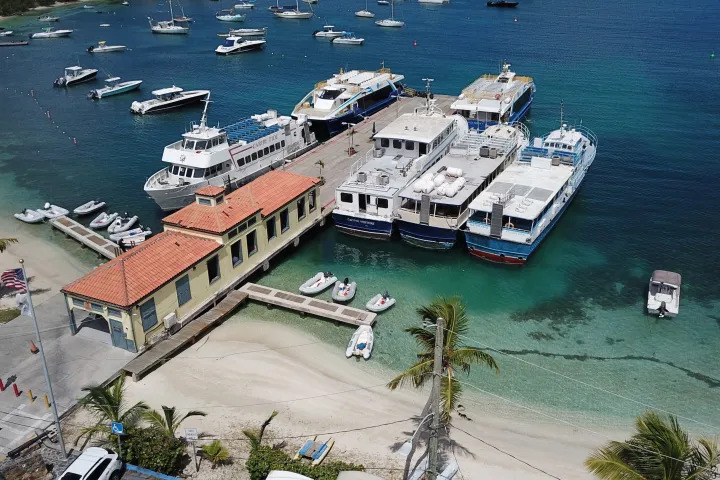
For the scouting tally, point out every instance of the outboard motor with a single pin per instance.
(91, 48)
(59, 82)
(92, 94)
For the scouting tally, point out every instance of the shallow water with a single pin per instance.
(638, 73)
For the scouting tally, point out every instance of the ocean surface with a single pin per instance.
(568, 329)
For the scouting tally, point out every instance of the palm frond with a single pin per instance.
(423, 337)
(450, 392)
(466, 357)
(417, 374)
(5, 243)
(606, 465)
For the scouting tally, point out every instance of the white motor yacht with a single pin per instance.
(167, 98)
(6, 33)
(234, 45)
(248, 32)
(229, 16)
(102, 47)
(113, 86)
(50, 32)
(328, 31)
(348, 38)
(244, 6)
(226, 157)
(390, 22)
(664, 293)
(75, 75)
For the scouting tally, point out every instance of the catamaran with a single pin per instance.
(493, 99)
(436, 206)
(226, 157)
(514, 214)
(347, 98)
(367, 202)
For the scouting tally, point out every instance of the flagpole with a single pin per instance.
(44, 363)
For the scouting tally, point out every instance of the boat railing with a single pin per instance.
(586, 132)
(355, 168)
(158, 177)
(523, 129)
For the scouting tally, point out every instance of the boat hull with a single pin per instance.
(236, 50)
(425, 236)
(515, 117)
(502, 251)
(363, 227)
(117, 91)
(177, 103)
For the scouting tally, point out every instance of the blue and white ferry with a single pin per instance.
(366, 203)
(436, 206)
(511, 217)
(347, 98)
(493, 99)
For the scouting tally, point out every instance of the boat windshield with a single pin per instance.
(229, 43)
(330, 94)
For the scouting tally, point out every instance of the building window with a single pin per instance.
(311, 197)
(148, 315)
(382, 203)
(96, 307)
(301, 208)
(78, 303)
(252, 243)
(236, 253)
(270, 225)
(204, 201)
(232, 233)
(213, 269)
(114, 312)
(182, 287)
(251, 222)
(284, 221)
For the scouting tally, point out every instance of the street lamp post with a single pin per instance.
(351, 132)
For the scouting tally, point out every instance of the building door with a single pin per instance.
(117, 334)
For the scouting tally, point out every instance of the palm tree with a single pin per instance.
(108, 404)
(5, 243)
(216, 452)
(455, 356)
(167, 420)
(256, 436)
(659, 449)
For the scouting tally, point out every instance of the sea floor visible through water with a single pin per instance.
(567, 328)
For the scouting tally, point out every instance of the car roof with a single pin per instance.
(86, 461)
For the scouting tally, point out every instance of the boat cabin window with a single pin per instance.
(423, 148)
(254, 156)
(174, 169)
(181, 173)
(384, 142)
(199, 173)
(382, 203)
(494, 117)
(272, 148)
(266, 150)
(330, 94)
(409, 145)
(200, 145)
(346, 197)
(189, 173)
(397, 144)
(189, 144)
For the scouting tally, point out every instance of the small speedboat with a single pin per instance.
(13, 44)
(244, 5)
(30, 216)
(380, 302)
(234, 45)
(52, 211)
(135, 232)
(502, 4)
(383, 2)
(318, 283)
(229, 16)
(50, 32)
(328, 31)
(348, 38)
(104, 25)
(122, 224)
(103, 48)
(103, 220)
(90, 207)
(49, 18)
(113, 86)
(664, 293)
(247, 32)
(88, 7)
(6, 33)
(361, 342)
(75, 75)
(125, 3)
(168, 98)
(344, 291)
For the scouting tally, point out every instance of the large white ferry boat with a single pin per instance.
(435, 207)
(366, 203)
(226, 157)
(347, 98)
(513, 215)
(493, 99)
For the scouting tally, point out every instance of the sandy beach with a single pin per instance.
(246, 368)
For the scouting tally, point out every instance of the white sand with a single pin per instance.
(48, 265)
(245, 369)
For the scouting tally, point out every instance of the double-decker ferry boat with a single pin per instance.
(511, 217)
(366, 203)
(435, 207)
(226, 157)
(493, 99)
(347, 98)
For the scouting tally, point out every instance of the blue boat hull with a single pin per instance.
(503, 251)
(325, 129)
(362, 227)
(515, 117)
(425, 236)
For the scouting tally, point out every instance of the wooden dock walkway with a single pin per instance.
(86, 236)
(309, 305)
(165, 349)
(334, 152)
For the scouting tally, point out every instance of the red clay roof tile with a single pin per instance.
(137, 273)
(210, 191)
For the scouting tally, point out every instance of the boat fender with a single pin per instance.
(497, 96)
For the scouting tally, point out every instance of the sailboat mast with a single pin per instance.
(392, 9)
(172, 17)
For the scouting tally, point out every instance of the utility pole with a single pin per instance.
(44, 363)
(433, 466)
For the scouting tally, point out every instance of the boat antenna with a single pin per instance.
(562, 115)
(203, 120)
(428, 93)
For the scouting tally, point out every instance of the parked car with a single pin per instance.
(95, 463)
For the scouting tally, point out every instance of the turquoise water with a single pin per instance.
(638, 73)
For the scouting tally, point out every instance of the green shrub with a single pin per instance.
(216, 452)
(153, 449)
(264, 459)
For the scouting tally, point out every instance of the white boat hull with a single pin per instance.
(317, 283)
(364, 14)
(30, 216)
(123, 87)
(293, 15)
(108, 49)
(348, 41)
(89, 207)
(103, 220)
(121, 224)
(361, 343)
(344, 293)
(186, 98)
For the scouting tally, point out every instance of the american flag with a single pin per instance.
(13, 278)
